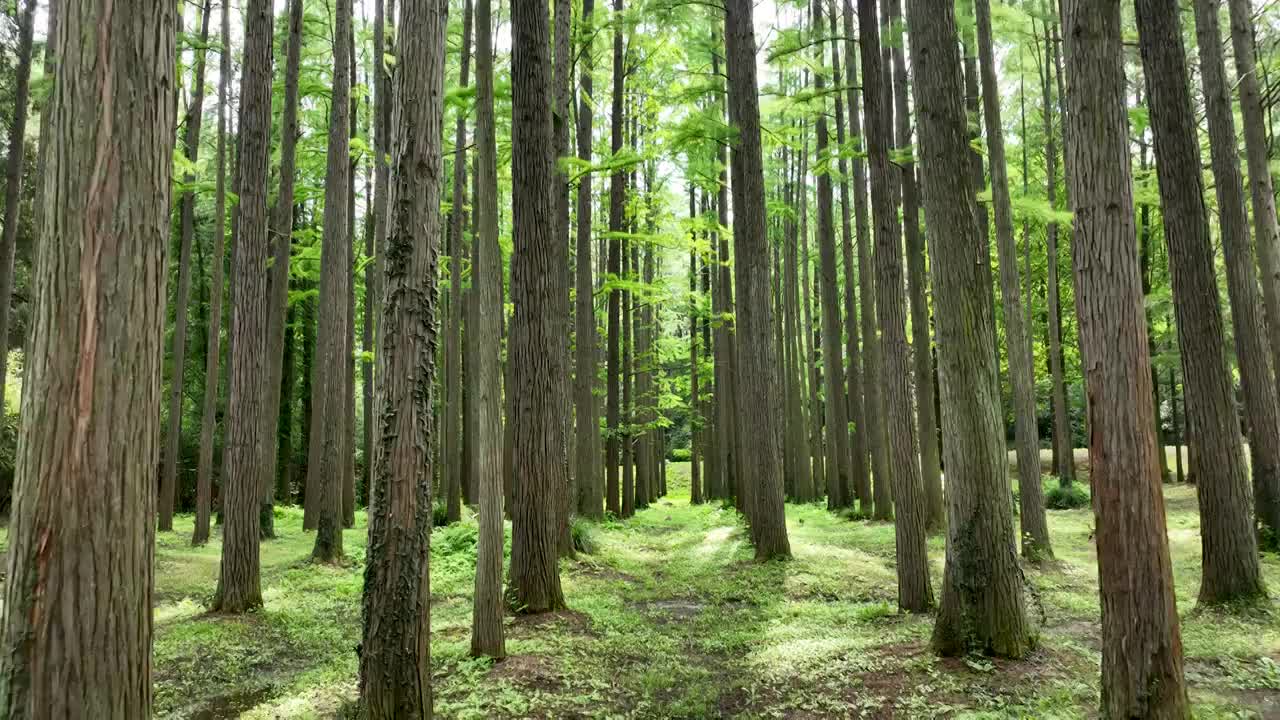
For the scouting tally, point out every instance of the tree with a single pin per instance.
(1258, 384)
(238, 584)
(13, 179)
(1230, 570)
(617, 216)
(839, 473)
(79, 578)
(187, 211)
(281, 246)
(331, 397)
(452, 464)
(395, 657)
(538, 461)
(484, 328)
(586, 407)
(1141, 643)
(204, 477)
(981, 607)
(915, 593)
(1035, 529)
(757, 391)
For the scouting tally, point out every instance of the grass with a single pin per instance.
(669, 617)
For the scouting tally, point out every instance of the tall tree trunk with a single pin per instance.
(1065, 465)
(381, 129)
(281, 241)
(982, 606)
(238, 584)
(797, 427)
(187, 210)
(586, 407)
(926, 419)
(79, 576)
(484, 334)
(1035, 529)
(349, 416)
(1230, 571)
(13, 174)
(1141, 643)
(727, 419)
(617, 216)
(915, 593)
(538, 442)
(626, 424)
(813, 397)
(395, 659)
(1258, 385)
(757, 392)
(695, 472)
(452, 465)
(860, 389)
(331, 398)
(839, 473)
(1266, 228)
(209, 407)
(560, 122)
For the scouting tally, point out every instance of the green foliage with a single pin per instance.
(583, 534)
(1070, 497)
(680, 454)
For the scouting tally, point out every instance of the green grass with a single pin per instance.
(670, 617)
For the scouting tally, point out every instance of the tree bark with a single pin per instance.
(187, 211)
(331, 398)
(484, 333)
(395, 659)
(1141, 643)
(77, 630)
(1035, 528)
(757, 391)
(238, 585)
(982, 606)
(538, 443)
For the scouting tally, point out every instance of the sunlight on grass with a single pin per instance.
(669, 616)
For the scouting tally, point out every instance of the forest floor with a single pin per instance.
(670, 617)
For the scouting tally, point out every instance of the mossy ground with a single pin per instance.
(670, 617)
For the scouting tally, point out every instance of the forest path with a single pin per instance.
(670, 617)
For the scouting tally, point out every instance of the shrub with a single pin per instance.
(583, 534)
(680, 455)
(1070, 497)
(439, 515)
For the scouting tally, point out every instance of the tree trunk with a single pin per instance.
(13, 176)
(1258, 154)
(1035, 529)
(209, 408)
(1065, 465)
(187, 210)
(757, 392)
(1141, 644)
(538, 443)
(560, 122)
(349, 416)
(982, 607)
(628, 376)
(586, 407)
(81, 545)
(331, 398)
(281, 242)
(838, 472)
(452, 465)
(617, 215)
(1258, 385)
(1230, 571)
(484, 334)
(695, 474)
(395, 660)
(915, 593)
(238, 585)
(926, 419)
(727, 419)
